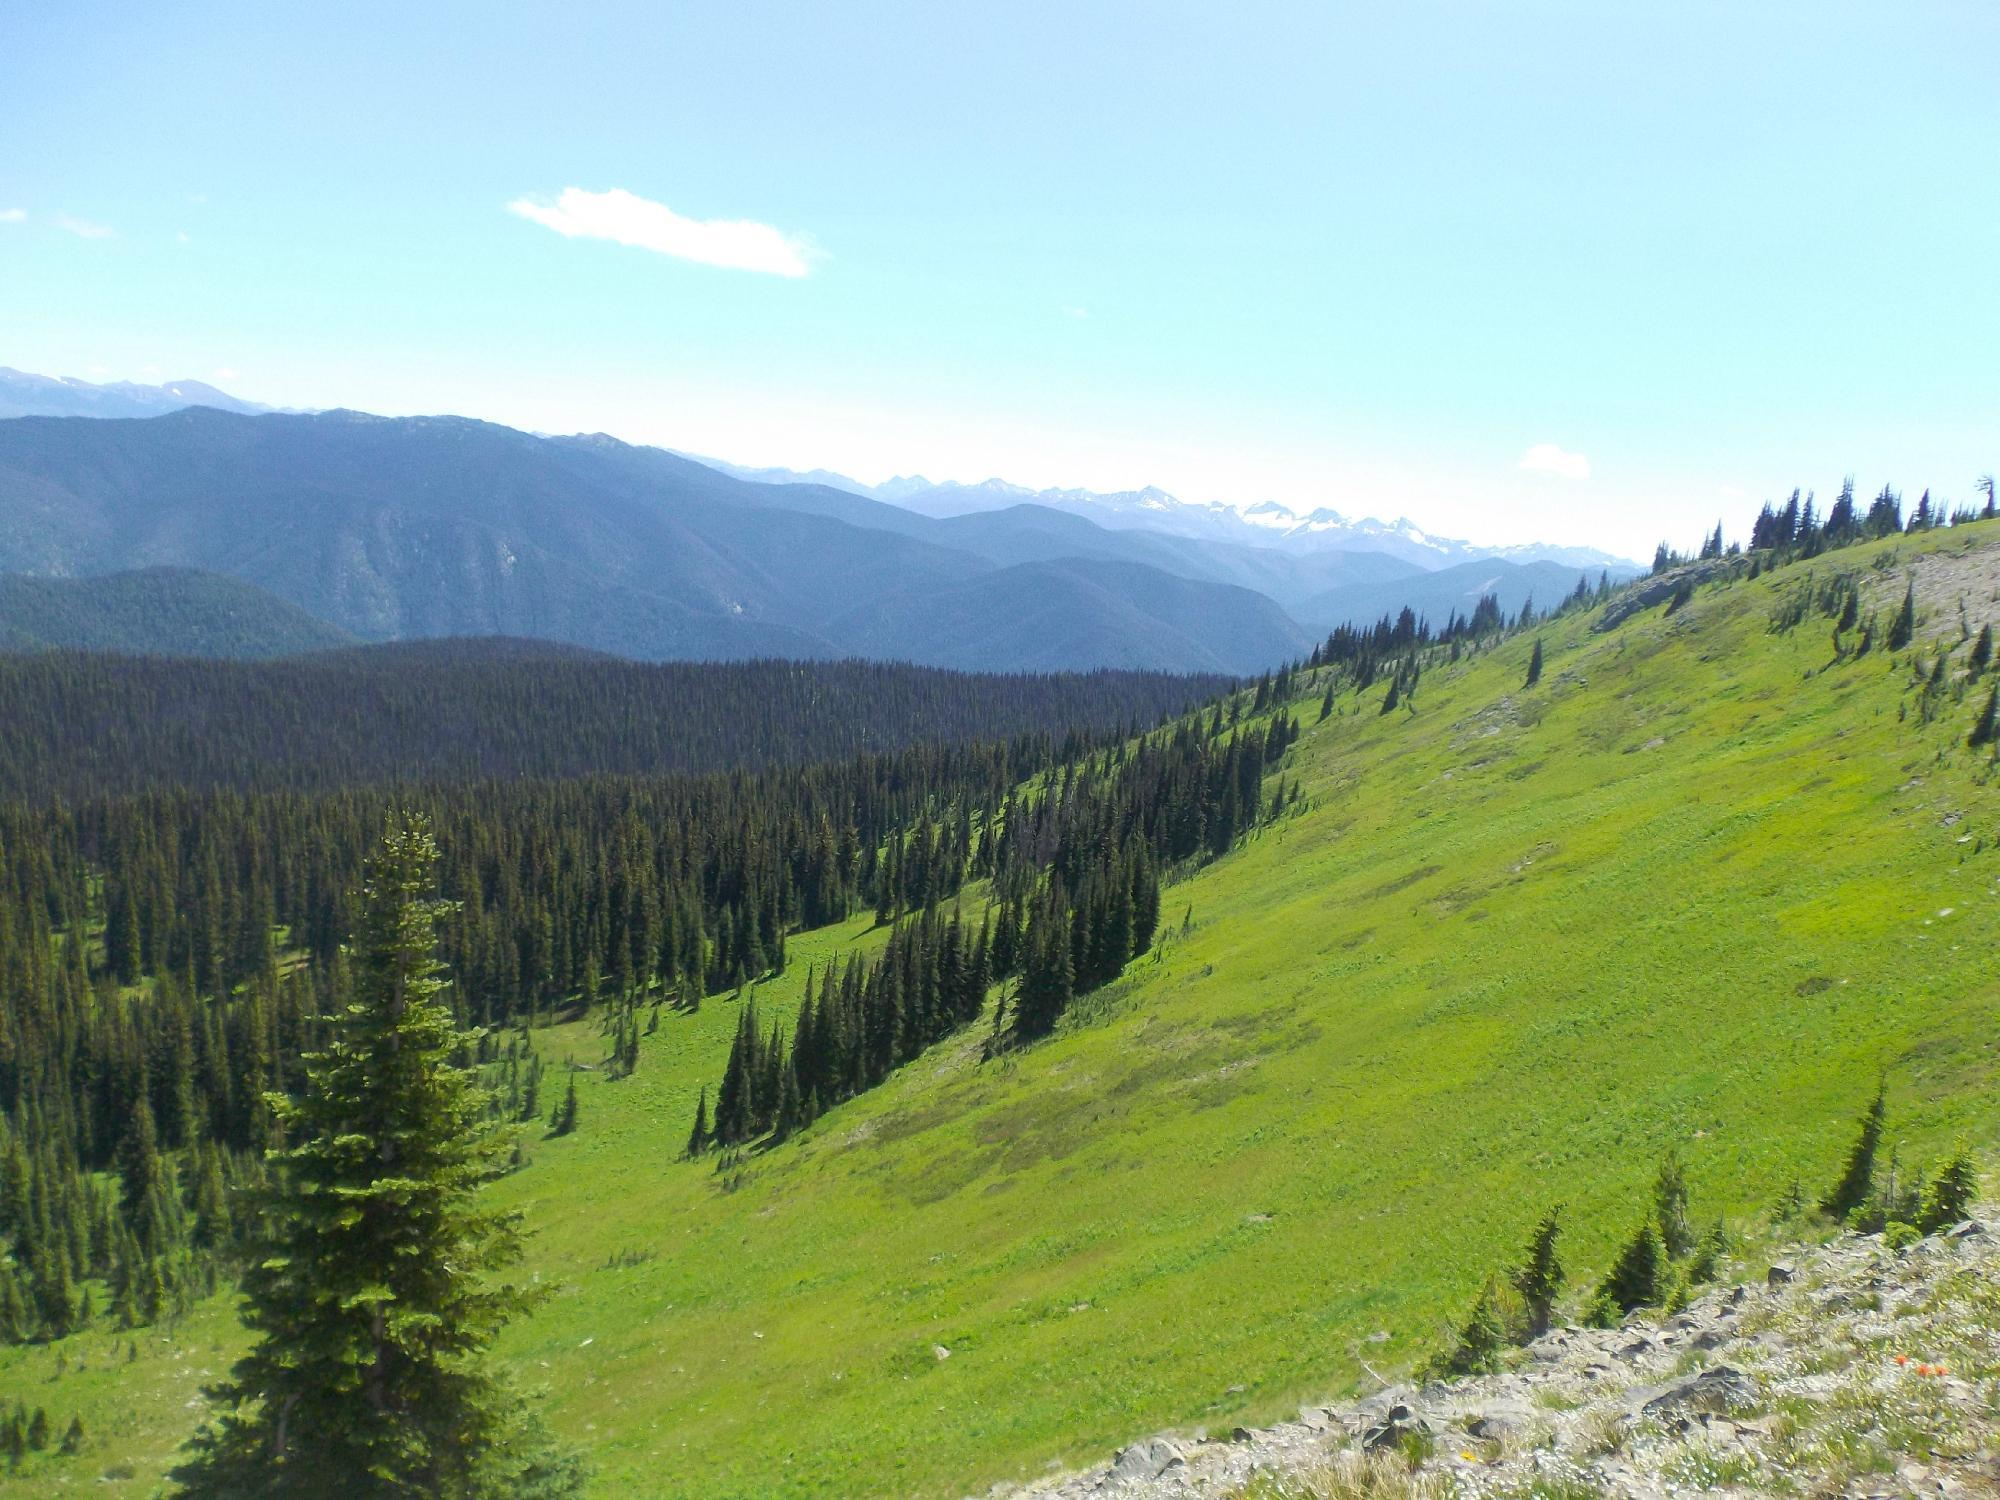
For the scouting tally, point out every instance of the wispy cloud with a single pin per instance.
(83, 228)
(1078, 313)
(13, 216)
(627, 219)
(225, 373)
(1548, 458)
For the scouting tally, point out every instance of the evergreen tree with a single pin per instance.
(72, 1440)
(1947, 1197)
(1539, 1279)
(564, 1119)
(1535, 665)
(1635, 1279)
(1670, 1207)
(698, 1137)
(1982, 651)
(1987, 725)
(375, 1299)
(1858, 1177)
(1905, 625)
(1476, 1348)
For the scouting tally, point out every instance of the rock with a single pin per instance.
(1395, 1398)
(1970, 1229)
(1241, 1435)
(1392, 1430)
(1636, 1349)
(1146, 1460)
(1718, 1390)
(1708, 1338)
(1781, 1274)
(941, 1352)
(1500, 1419)
(1658, 589)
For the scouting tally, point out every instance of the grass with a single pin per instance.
(1699, 886)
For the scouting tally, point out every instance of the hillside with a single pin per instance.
(440, 526)
(163, 611)
(1796, 1375)
(1701, 885)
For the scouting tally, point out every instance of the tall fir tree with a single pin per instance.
(1539, 1279)
(382, 1282)
(698, 1137)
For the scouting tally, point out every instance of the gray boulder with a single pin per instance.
(1145, 1460)
(1718, 1391)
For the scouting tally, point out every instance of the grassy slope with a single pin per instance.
(1690, 888)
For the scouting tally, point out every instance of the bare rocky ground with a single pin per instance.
(1852, 1369)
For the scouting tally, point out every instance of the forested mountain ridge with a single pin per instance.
(158, 611)
(1370, 1043)
(400, 528)
(87, 725)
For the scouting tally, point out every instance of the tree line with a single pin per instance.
(1076, 866)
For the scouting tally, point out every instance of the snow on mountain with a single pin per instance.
(26, 395)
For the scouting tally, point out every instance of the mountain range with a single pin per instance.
(1268, 524)
(370, 528)
(25, 395)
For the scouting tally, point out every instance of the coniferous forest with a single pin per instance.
(83, 724)
(173, 956)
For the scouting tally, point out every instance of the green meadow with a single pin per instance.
(1700, 886)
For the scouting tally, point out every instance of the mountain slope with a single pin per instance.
(162, 611)
(1699, 887)
(1036, 616)
(1392, 1033)
(437, 526)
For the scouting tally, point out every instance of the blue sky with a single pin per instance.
(1582, 272)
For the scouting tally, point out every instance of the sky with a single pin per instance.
(1570, 272)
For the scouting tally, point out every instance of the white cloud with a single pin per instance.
(82, 228)
(627, 219)
(1076, 312)
(182, 237)
(225, 373)
(13, 215)
(1548, 458)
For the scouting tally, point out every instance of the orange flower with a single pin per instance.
(1902, 1359)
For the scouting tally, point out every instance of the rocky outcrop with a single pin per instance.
(1847, 1369)
(1646, 593)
